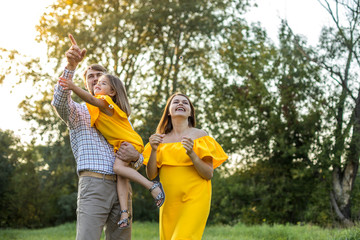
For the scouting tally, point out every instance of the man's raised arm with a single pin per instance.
(62, 102)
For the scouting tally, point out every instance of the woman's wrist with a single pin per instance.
(192, 155)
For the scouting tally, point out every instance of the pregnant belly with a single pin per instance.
(184, 184)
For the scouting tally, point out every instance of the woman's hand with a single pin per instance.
(204, 166)
(188, 144)
(155, 140)
(151, 168)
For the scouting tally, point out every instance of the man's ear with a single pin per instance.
(85, 84)
(87, 89)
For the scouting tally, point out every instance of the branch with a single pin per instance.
(336, 19)
(321, 64)
(356, 57)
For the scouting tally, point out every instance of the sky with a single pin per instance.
(19, 17)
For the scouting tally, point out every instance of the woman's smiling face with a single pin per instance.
(180, 106)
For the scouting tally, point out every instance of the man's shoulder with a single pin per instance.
(79, 116)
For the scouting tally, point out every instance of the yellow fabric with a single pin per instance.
(116, 128)
(188, 196)
(204, 147)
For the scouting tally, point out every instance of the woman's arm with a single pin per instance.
(84, 95)
(151, 168)
(203, 166)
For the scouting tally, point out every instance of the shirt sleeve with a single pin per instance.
(62, 102)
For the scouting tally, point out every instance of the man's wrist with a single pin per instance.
(68, 74)
(71, 67)
(137, 158)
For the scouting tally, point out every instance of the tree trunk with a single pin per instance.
(343, 181)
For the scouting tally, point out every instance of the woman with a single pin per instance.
(185, 158)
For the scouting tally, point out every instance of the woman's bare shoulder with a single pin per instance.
(198, 133)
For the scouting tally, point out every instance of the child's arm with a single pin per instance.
(86, 96)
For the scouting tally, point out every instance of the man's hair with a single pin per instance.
(95, 67)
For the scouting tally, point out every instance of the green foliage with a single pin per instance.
(66, 206)
(38, 185)
(337, 54)
(355, 201)
(8, 156)
(156, 47)
(144, 208)
(271, 116)
(317, 209)
(27, 199)
(249, 196)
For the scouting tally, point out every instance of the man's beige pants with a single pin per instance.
(98, 207)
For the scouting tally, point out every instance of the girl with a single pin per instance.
(185, 158)
(109, 110)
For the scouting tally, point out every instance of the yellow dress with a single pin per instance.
(116, 128)
(188, 196)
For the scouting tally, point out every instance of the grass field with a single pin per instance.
(149, 231)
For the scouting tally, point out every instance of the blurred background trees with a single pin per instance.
(286, 114)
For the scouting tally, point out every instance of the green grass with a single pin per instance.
(279, 232)
(149, 231)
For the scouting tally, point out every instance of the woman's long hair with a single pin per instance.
(165, 124)
(120, 98)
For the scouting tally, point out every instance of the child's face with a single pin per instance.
(103, 87)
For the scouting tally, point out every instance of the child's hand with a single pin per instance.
(66, 84)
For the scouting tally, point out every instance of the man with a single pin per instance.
(97, 204)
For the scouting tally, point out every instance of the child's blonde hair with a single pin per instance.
(120, 98)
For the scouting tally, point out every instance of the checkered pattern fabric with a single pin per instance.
(91, 150)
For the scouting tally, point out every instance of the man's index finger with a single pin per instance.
(72, 39)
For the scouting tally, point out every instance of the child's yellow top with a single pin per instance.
(116, 128)
(174, 154)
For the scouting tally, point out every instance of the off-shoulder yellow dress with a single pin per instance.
(116, 128)
(188, 196)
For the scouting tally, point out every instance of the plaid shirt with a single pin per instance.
(91, 150)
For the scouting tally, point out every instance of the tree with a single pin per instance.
(10, 152)
(281, 115)
(266, 107)
(156, 47)
(339, 57)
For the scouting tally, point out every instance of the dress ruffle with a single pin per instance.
(174, 154)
